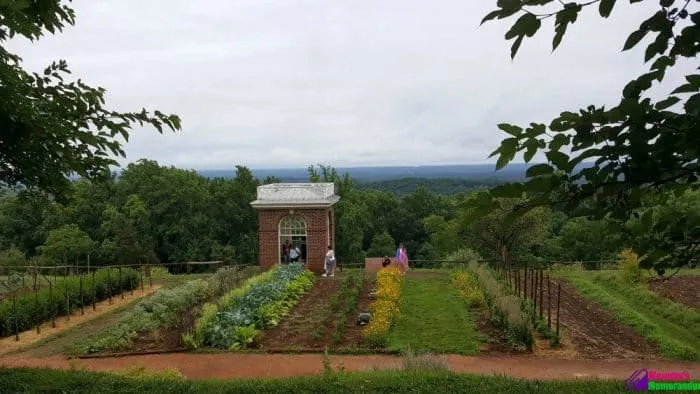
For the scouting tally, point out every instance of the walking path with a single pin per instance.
(231, 365)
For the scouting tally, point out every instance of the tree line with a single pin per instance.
(157, 214)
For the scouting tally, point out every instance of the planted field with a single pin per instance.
(684, 289)
(29, 309)
(159, 322)
(237, 319)
(321, 317)
(674, 328)
(434, 318)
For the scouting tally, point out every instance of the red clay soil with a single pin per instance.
(232, 365)
(310, 324)
(681, 289)
(594, 332)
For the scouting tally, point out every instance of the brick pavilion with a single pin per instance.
(301, 213)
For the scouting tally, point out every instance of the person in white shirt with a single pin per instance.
(330, 263)
(294, 254)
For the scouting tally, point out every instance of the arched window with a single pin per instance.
(292, 226)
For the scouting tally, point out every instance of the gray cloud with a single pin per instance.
(357, 82)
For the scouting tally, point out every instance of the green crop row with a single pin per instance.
(26, 310)
(236, 320)
(162, 310)
(505, 310)
(345, 302)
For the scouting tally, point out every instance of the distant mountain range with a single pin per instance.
(512, 172)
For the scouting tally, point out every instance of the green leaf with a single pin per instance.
(669, 102)
(634, 39)
(508, 148)
(532, 146)
(558, 141)
(559, 159)
(605, 7)
(538, 170)
(491, 15)
(516, 45)
(509, 4)
(513, 130)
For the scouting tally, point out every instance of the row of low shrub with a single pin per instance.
(505, 310)
(26, 310)
(236, 320)
(163, 310)
(345, 301)
(385, 307)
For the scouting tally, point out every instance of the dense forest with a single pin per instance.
(157, 214)
(445, 186)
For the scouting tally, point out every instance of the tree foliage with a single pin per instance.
(53, 128)
(66, 244)
(638, 146)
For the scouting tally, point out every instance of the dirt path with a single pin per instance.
(229, 365)
(30, 337)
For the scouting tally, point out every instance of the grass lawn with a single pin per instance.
(674, 327)
(41, 380)
(433, 318)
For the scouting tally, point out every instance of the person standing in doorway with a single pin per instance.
(329, 263)
(294, 254)
(402, 258)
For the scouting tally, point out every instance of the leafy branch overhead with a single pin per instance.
(53, 128)
(602, 161)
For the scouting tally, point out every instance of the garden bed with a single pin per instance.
(157, 324)
(595, 332)
(311, 325)
(681, 289)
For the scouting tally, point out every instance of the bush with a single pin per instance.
(468, 288)
(57, 300)
(628, 262)
(385, 307)
(235, 321)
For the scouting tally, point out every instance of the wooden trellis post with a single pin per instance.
(558, 301)
(549, 303)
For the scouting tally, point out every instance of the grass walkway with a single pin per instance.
(674, 327)
(433, 318)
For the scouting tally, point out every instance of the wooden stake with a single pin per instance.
(541, 292)
(558, 301)
(549, 303)
(36, 300)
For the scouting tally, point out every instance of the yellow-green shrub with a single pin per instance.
(628, 262)
(468, 288)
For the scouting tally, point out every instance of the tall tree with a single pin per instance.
(66, 244)
(497, 238)
(639, 146)
(52, 128)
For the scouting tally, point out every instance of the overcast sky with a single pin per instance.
(287, 83)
